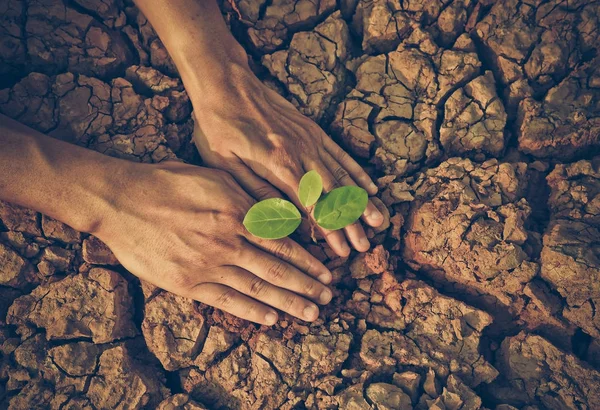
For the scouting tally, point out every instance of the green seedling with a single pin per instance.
(340, 207)
(277, 218)
(272, 218)
(310, 188)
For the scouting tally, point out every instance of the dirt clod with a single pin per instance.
(96, 305)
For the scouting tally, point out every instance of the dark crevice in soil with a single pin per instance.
(581, 343)
(83, 10)
(505, 324)
(485, 55)
(173, 382)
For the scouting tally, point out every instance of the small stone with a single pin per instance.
(410, 383)
(217, 341)
(122, 382)
(388, 397)
(173, 329)
(14, 270)
(96, 252)
(180, 402)
(57, 230)
(431, 385)
(373, 262)
(96, 305)
(76, 359)
(20, 219)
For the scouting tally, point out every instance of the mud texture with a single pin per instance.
(480, 121)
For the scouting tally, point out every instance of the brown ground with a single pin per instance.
(481, 120)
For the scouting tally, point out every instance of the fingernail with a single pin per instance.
(325, 278)
(375, 217)
(271, 318)
(311, 312)
(372, 186)
(325, 296)
(364, 243)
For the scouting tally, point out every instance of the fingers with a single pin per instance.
(254, 185)
(336, 241)
(357, 236)
(281, 174)
(357, 173)
(231, 301)
(259, 289)
(371, 216)
(283, 275)
(291, 252)
(354, 232)
(288, 180)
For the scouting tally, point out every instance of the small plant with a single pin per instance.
(277, 218)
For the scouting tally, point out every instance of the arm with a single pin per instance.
(205, 52)
(61, 180)
(246, 128)
(174, 225)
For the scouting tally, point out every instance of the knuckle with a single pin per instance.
(263, 192)
(311, 288)
(339, 173)
(288, 302)
(236, 217)
(309, 264)
(277, 272)
(182, 281)
(231, 217)
(283, 250)
(285, 164)
(237, 251)
(333, 184)
(225, 299)
(257, 287)
(281, 155)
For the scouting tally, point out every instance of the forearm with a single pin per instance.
(193, 31)
(61, 180)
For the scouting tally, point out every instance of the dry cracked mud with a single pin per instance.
(480, 120)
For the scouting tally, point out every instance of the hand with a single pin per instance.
(180, 227)
(260, 138)
(244, 127)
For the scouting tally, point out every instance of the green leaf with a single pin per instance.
(272, 218)
(341, 207)
(310, 189)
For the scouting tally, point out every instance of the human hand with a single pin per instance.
(180, 227)
(260, 138)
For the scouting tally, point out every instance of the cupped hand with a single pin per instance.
(252, 132)
(180, 227)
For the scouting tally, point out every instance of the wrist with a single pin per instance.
(94, 195)
(61, 180)
(234, 86)
(211, 75)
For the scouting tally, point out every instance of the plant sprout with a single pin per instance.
(277, 218)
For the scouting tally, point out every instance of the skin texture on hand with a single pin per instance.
(179, 226)
(174, 225)
(246, 128)
(181, 229)
(264, 142)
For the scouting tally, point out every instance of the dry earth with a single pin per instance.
(481, 120)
